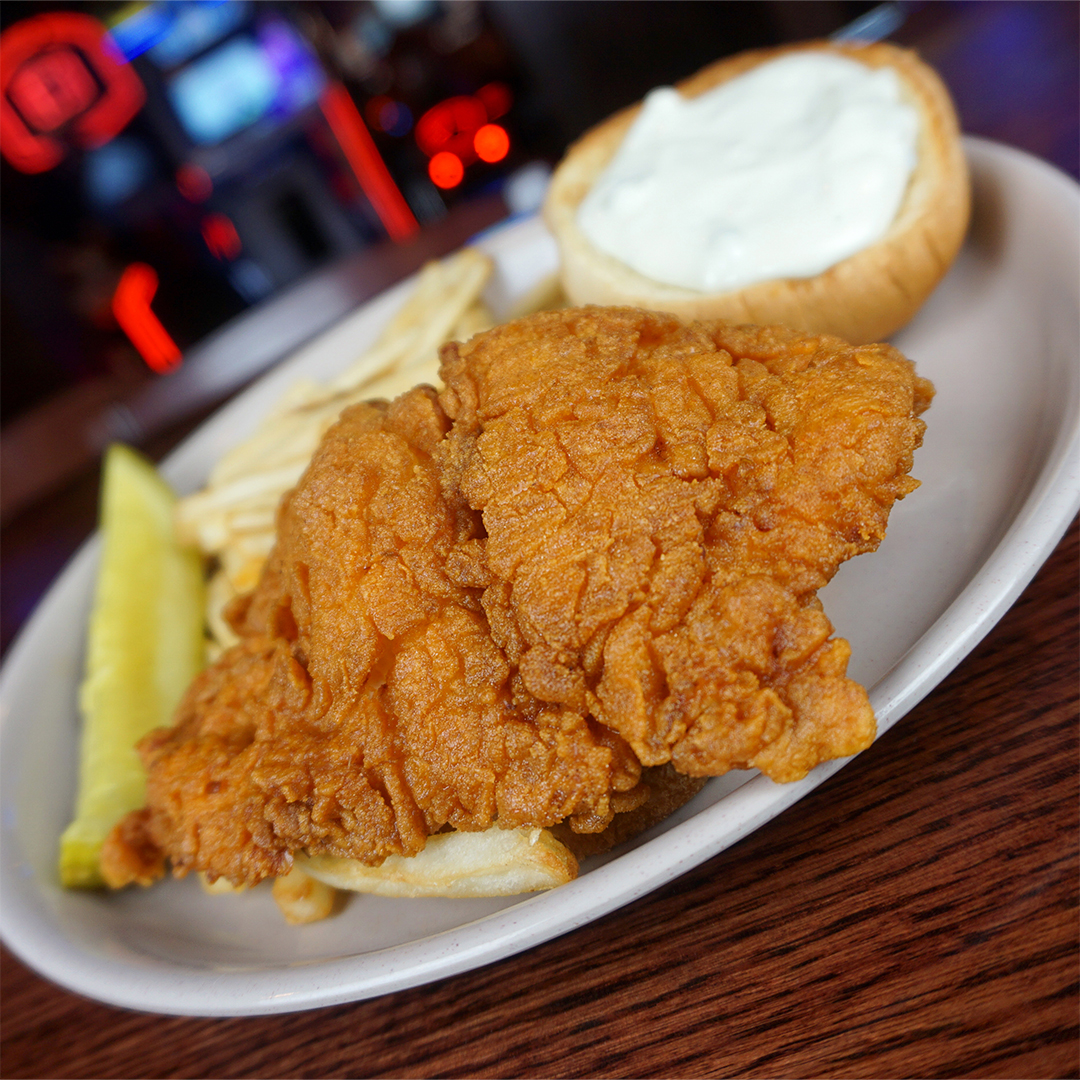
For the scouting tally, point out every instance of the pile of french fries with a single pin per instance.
(232, 522)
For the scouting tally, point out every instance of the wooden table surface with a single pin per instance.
(915, 916)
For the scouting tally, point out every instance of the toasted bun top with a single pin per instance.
(863, 298)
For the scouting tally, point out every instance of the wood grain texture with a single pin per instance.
(916, 916)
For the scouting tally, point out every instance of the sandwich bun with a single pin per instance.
(863, 298)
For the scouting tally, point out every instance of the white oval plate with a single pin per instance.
(1000, 485)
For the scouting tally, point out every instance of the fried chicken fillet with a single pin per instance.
(597, 550)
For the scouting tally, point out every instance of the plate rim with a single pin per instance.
(1034, 530)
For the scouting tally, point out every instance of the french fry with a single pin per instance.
(445, 289)
(474, 320)
(220, 887)
(219, 591)
(246, 485)
(495, 862)
(302, 898)
(400, 381)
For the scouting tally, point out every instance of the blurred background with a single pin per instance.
(168, 165)
(192, 188)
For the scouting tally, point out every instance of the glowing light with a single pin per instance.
(138, 27)
(491, 143)
(194, 183)
(52, 88)
(496, 99)
(131, 307)
(451, 126)
(221, 237)
(365, 161)
(116, 171)
(446, 169)
(58, 75)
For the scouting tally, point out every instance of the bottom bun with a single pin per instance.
(863, 298)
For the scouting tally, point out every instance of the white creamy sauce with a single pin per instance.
(781, 172)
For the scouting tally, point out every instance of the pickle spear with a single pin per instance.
(145, 645)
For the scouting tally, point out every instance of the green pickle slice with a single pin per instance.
(145, 646)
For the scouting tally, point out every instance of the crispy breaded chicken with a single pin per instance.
(597, 550)
(366, 705)
(660, 504)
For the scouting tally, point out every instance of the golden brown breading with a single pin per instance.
(598, 549)
(660, 504)
(366, 705)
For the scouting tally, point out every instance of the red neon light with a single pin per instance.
(451, 125)
(365, 161)
(221, 237)
(496, 99)
(491, 143)
(194, 183)
(131, 306)
(446, 169)
(56, 72)
(52, 88)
